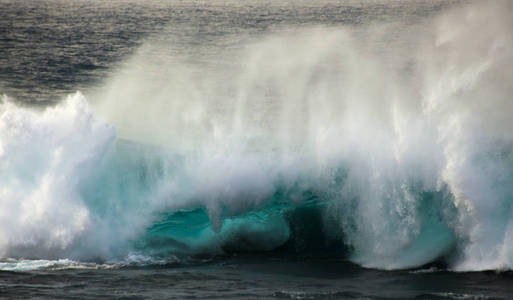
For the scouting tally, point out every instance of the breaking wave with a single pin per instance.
(320, 146)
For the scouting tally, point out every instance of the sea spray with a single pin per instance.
(468, 90)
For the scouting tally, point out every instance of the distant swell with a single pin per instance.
(318, 148)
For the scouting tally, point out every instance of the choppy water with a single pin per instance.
(256, 149)
(255, 277)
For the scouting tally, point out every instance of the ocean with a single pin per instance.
(234, 149)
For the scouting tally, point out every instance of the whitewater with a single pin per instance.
(312, 141)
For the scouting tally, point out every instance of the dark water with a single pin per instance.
(256, 277)
(51, 48)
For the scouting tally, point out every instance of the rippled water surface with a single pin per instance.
(250, 277)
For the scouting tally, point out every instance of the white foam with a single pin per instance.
(25, 265)
(44, 157)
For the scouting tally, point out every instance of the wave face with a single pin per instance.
(314, 143)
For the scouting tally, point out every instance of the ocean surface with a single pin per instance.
(256, 149)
